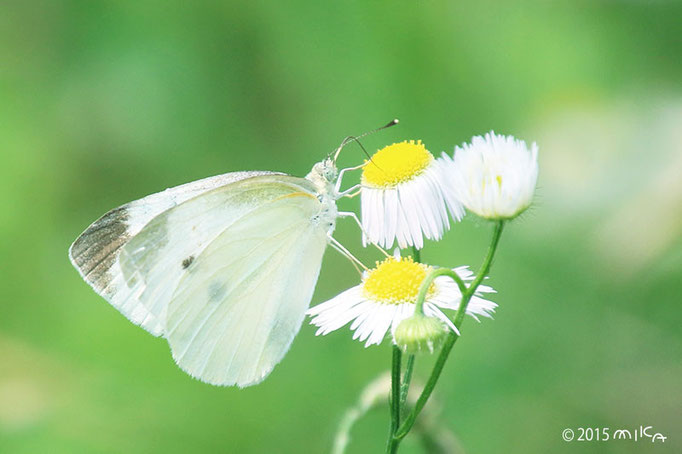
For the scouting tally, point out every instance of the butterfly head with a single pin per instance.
(324, 175)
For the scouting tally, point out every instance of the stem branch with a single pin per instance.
(467, 293)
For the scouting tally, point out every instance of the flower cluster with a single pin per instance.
(405, 190)
(407, 195)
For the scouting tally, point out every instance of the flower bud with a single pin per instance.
(420, 334)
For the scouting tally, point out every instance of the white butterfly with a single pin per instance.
(224, 268)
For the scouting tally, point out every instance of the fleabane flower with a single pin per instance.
(387, 295)
(402, 197)
(493, 177)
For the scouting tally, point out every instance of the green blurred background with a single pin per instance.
(105, 102)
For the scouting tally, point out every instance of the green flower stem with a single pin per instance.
(398, 392)
(394, 400)
(423, 290)
(409, 367)
(407, 378)
(485, 267)
(467, 293)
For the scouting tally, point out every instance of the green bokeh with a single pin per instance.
(105, 102)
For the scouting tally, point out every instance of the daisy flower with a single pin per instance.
(387, 296)
(402, 197)
(494, 176)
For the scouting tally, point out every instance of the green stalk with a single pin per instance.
(407, 378)
(394, 400)
(416, 254)
(409, 367)
(424, 289)
(467, 293)
(398, 392)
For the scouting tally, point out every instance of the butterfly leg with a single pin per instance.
(337, 188)
(347, 193)
(346, 253)
(357, 268)
(350, 214)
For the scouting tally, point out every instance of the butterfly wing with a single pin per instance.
(96, 252)
(236, 310)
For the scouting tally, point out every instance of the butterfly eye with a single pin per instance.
(330, 172)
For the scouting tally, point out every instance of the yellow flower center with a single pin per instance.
(395, 281)
(395, 164)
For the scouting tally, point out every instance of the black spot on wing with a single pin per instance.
(187, 262)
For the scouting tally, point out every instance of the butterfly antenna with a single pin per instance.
(357, 139)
